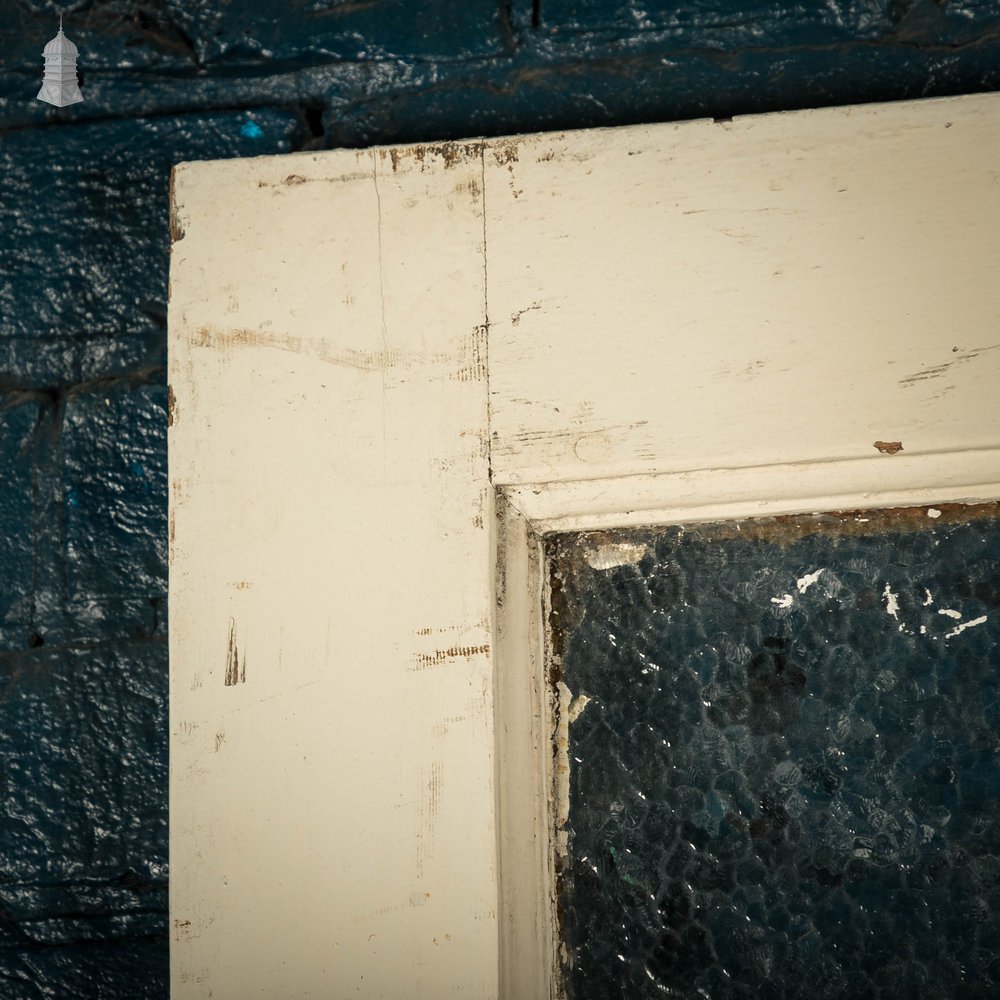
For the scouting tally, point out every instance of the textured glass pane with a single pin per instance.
(784, 755)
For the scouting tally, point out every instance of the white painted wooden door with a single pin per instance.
(393, 370)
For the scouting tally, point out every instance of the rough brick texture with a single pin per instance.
(83, 269)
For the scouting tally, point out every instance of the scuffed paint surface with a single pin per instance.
(789, 797)
(83, 301)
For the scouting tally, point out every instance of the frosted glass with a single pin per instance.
(786, 780)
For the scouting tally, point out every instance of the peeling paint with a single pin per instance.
(785, 601)
(889, 447)
(612, 554)
(950, 613)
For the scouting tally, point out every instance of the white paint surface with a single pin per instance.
(645, 307)
(891, 602)
(332, 816)
(959, 629)
(777, 288)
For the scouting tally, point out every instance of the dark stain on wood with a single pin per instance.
(236, 665)
(889, 447)
(937, 371)
(474, 354)
(452, 153)
(435, 659)
(505, 152)
(176, 229)
(363, 361)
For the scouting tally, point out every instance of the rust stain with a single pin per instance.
(425, 631)
(889, 447)
(182, 930)
(294, 179)
(236, 666)
(171, 406)
(435, 659)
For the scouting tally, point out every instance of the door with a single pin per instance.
(394, 372)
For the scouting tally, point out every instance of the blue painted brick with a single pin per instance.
(83, 270)
(113, 509)
(83, 845)
(18, 420)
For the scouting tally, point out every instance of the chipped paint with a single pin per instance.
(891, 602)
(610, 555)
(176, 226)
(560, 778)
(950, 612)
(805, 582)
(785, 601)
(577, 705)
(958, 629)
